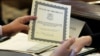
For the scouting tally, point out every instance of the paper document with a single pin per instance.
(76, 27)
(18, 42)
(52, 23)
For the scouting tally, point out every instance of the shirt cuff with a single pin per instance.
(0, 30)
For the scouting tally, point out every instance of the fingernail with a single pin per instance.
(63, 41)
(72, 53)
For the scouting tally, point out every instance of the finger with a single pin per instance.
(68, 43)
(25, 29)
(77, 46)
(63, 49)
(65, 46)
(26, 19)
(64, 41)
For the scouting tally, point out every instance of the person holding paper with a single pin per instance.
(16, 26)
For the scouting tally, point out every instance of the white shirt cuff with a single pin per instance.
(0, 30)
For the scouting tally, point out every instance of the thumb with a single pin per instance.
(77, 46)
(64, 48)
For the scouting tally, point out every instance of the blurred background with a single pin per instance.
(15, 8)
(11, 9)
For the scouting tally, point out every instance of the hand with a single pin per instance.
(64, 49)
(17, 25)
(72, 47)
(81, 42)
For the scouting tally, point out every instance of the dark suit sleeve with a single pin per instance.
(95, 40)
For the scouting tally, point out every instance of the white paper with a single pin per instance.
(52, 22)
(76, 27)
(18, 42)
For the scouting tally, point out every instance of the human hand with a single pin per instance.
(81, 42)
(72, 47)
(64, 49)
(17, 25)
